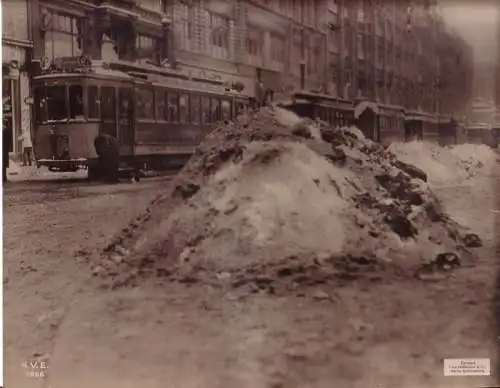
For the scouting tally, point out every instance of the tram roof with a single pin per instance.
(137, 74)
(305, 94)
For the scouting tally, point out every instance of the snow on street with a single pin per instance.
(390, 332)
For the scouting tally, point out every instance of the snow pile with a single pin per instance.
(278, 195)
(477, 158)
(447, 165)
(14, 168)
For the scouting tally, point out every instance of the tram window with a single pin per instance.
(126, 105)
(56, 102)
(215, 110)
(144, 103)
(226, 110)
(195, 109)
(173, 107)
(160, 103)
(239, 108)
(40, 104)
(205, 110)
(93, 102)
(108, 99)
(75, 102)
(183, 108)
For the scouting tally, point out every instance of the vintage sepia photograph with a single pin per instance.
(254, 193)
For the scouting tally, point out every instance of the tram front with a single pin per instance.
(64, 133)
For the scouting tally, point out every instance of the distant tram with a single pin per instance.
(482, 133)
(333, 110)
(421, 126)
(158, 116)
(379, 122)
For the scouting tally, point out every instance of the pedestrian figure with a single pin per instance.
(108, 152)
(27, 147)
(7, 139)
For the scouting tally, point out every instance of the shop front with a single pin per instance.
(15, 93)
(9, 86)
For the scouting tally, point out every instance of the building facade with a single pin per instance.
(389, 52)
(16, 51)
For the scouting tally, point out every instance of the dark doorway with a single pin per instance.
(367, 123)
(8, 122)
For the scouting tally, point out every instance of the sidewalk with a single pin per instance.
(18, 173)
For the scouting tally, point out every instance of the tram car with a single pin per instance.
(333, 110)
(379, 122)
(451, 132)
(495, 133)
(482, 133)
(158, 116)
(421, 126)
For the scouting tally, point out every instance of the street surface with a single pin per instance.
(391, 333)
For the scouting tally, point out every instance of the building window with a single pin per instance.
(361, 50)
(314, 64)
(218, 36)
(283, 7)
(277, 48)
(147, 47)
(333, 40)
(183, 20)
(63, 37)
(254, 42)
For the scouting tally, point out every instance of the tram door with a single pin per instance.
(108, 111)
(126, 120)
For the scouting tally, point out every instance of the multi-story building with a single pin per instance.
(16, 49)
(389, 52)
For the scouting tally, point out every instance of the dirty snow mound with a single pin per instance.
(268, 205)
(447, 165)
(273, 194)
(477, 156)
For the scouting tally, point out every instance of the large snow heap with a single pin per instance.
(272, 194)
(448, 165)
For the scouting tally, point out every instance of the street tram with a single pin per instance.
(333, 110)
(158, 116)
(421, 126)
(482, 133)
(379, 122)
